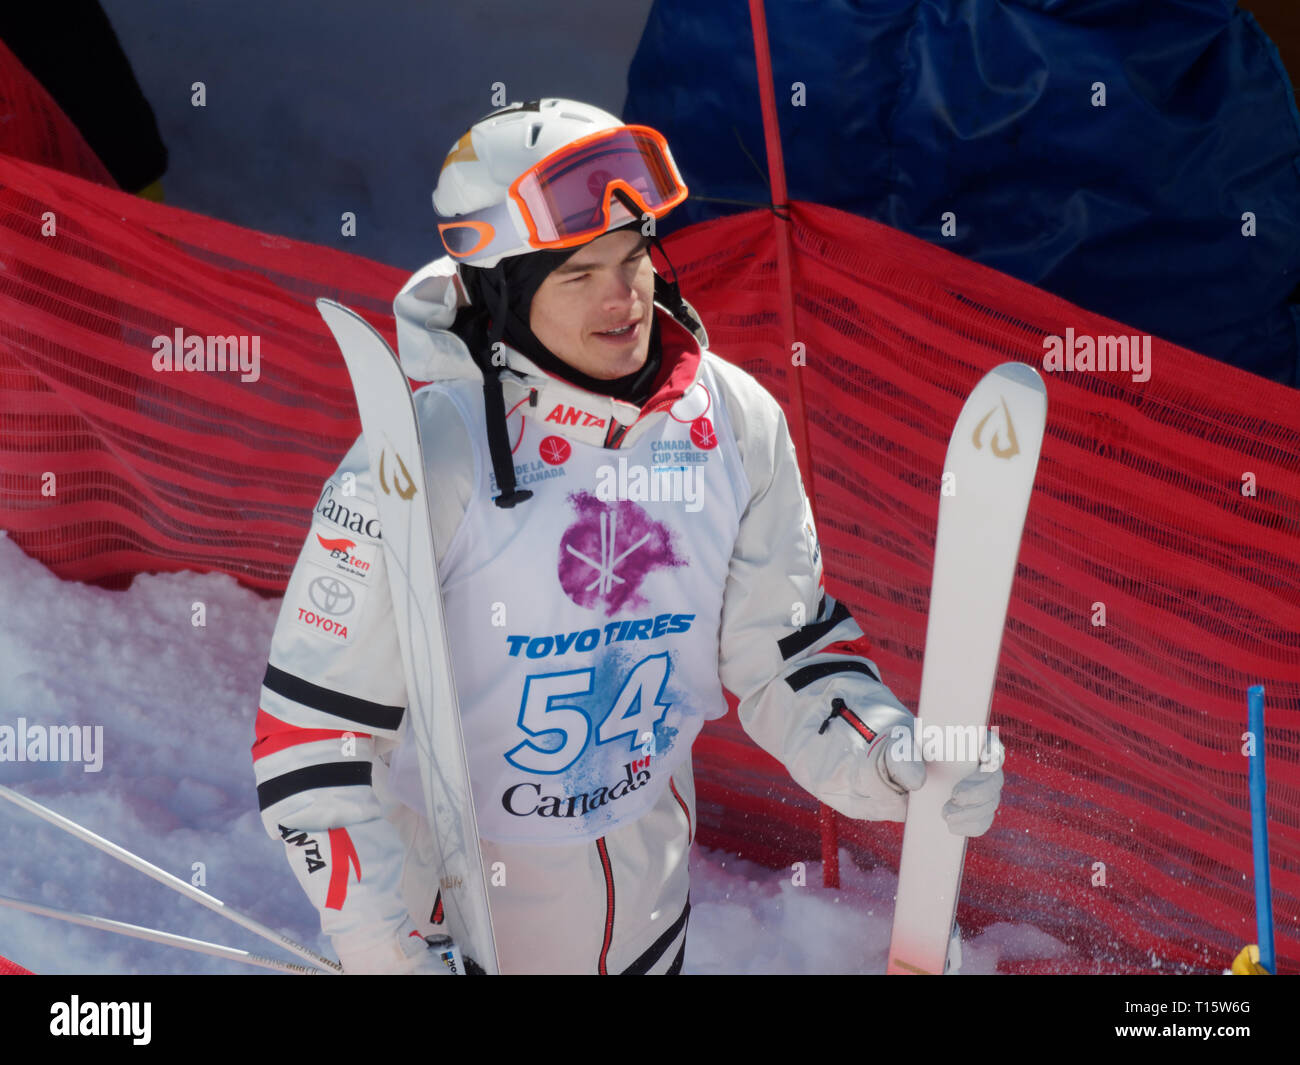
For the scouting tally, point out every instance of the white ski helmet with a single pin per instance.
(549, 174)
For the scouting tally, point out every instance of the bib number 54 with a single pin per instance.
(559, 729)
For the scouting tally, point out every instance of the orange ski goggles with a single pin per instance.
(568, 198)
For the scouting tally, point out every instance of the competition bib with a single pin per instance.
(584, 622)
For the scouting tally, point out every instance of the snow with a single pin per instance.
(176, 703)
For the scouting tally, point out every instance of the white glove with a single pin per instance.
(975, 798)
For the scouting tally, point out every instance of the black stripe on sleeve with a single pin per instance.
(353, 773)
(657, 949)
(808, 635)
(801, 678)
(328, 701)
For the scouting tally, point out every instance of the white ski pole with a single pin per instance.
(166, 878)
(199, 946)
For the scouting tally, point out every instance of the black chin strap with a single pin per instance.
(494, 404)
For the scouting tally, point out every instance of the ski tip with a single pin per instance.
(337, 313)
(1019, 373)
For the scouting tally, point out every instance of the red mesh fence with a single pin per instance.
(1173, 504)
(110, 465)
(9, 968)
(1125, 739)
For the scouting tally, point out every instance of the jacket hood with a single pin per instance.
(425, 309)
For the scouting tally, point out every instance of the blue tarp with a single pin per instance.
(988, 109)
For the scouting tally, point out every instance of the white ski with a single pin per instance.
(992, 458)
(392, 432)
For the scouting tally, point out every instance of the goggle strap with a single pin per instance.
(669, 292)
(498, 218)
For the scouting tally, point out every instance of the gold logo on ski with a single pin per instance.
(1013, 445)
(406, 492)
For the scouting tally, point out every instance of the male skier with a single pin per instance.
(621, 532)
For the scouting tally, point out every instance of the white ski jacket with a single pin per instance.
(582, 679)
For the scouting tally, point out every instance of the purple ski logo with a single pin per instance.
(607, 553)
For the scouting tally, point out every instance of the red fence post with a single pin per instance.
(784, 262)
